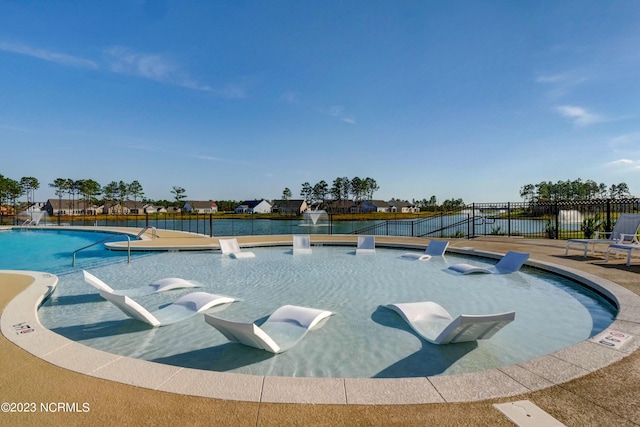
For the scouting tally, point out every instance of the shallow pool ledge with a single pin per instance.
(20, 325)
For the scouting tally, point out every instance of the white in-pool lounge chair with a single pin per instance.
(625, 231)
(433, 323)
(509, 263)
(301, 245)
(622, 247)
(434, 248)
(161, 285)
(182, 308)
(283, 329)
(231, 248)
(366, 245)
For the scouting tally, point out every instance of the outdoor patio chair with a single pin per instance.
(625, 231)
(622, 247)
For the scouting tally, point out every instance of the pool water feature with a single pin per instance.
(362, 339)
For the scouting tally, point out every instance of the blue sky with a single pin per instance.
(238, 99)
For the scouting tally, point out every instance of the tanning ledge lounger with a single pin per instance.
(366, 245)
(231, 248)
(434, 248)
(301, 245)
(283, 329)
(182, 308)
(509, 263)
(161, 285)
(433, 323)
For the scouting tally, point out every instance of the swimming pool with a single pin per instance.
(51, 250)
(361, 340)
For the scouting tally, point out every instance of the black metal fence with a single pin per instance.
(556, 220)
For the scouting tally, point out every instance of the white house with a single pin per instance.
(200, 207)
(254, 206)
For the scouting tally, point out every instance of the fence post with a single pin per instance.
(609, 228)
(557, 221)
(210, 225)
(509, 219)
(473, 219)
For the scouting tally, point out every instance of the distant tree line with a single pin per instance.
(87, 192)
(342, 187)
(573, 190)
(11, 190)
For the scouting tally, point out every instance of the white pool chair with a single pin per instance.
(433, 323)
(301, 245)
(161, 285)
(509, 263)
(366, 245)
(231, 248)
(625, 231)
(283, 329)
(182, 308)
(434, 248)
(621, 247)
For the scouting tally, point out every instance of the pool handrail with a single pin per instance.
(154, 232)
(73, 263)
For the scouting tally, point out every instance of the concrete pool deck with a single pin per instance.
(578, 386)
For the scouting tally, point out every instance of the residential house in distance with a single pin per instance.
(55, 207)
(295, 207)
(152, 209)
(253, 206)
(200, 207)
(374, 206)
(403, 207)
(124, 208)
(340, 206)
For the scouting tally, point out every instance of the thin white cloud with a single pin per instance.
(620, 162)
(337, 111)
(290, 97)
(213, 158)
(626, 141)
(14, 128)
(624, 165)
(559, 85)
(563, 78)
(47, 55)
(235, 91)
(578, 115)
(160, 68)
(221, 160)
(557, 78)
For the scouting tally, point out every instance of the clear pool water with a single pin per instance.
(52, 250)
(362, 339)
